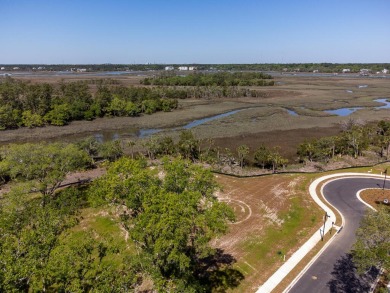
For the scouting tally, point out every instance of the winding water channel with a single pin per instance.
(142, 133)
(147, 132)
(348, 111)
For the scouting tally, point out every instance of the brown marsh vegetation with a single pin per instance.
(265, 120)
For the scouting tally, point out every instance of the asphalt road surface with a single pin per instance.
(334, 271)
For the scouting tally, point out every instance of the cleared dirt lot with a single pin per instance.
(275, 215)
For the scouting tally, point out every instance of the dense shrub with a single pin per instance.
(212, 79)
(33, 105)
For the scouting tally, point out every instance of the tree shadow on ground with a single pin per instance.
(217, 272)
(347, 280)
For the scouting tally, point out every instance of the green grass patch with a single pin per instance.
(265, 253)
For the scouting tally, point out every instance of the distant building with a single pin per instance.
(41, 68)
(315, 71)
(385, 71)
(2, 68)
(81, 70)
(365, 72)
(16, 68)
(346, 70)
(192, 68)
(168, 68)
(182, 68)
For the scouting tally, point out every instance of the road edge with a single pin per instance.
(297, 256)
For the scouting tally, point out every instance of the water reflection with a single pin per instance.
(205, 120)
(385, 102)
(349, 111)
(108, 135)
(142, 133)
(147, 132)
(292, 113)
(343, 111)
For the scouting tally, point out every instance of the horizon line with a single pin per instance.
(144, 64)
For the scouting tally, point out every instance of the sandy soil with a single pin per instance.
(259, 203)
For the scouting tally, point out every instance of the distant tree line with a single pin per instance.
(34, 105)
(290, 67)
(210, 92)
(211, 79)
(304, 67)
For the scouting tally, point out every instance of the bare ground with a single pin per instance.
(260, 204)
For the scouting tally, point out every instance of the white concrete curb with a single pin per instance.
(359, 198)
(289, 265)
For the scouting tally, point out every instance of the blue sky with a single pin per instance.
(194, 31)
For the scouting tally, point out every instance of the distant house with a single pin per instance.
(81, 70)
(41, 68)
(385, 71)
(182, 68)
(168, 68)
(16, 68)
(346, 70)
(2, 68)
(315, 71)
(192, 68)
(364, 72)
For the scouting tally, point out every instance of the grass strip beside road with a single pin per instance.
(263, 253)
(303, 263)
(368, 195)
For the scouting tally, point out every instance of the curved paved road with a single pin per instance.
(333, 270)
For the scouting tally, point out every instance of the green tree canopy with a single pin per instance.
(188, 145)
(372, 247)
(45, 164)
(171, 214)
(242, 152)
